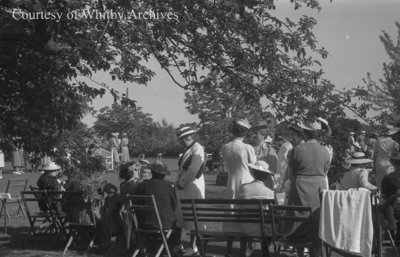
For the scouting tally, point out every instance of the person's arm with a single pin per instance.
(195, 164)
(364, 182)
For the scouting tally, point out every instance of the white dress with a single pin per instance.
(193, 188)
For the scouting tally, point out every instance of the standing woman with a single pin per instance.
(383, 147)
(17, 157)
(190, 181)
(310, 166)
(124, 148)
(114, 146)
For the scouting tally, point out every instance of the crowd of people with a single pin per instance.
(298, 170)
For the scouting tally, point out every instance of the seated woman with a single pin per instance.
(130, 173)
(256, 189)
(49, 181)
(357, 175)
(167, 201)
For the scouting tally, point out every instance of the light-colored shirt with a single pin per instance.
(356, 178)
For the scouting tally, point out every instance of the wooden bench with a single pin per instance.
(209, 215)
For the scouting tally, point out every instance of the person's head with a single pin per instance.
(129, 170)
(240, 127)
(124, 134)
(358, 160)
(159, 169)
(310, 129)
(51, 169)
(186, 134)
(296, 135)
(110, 189)
(260, 170)
(115, 134)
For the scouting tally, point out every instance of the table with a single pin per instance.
(4, 197)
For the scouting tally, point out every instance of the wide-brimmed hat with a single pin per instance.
(325, 125)
(391, 130)
(260, 166)
(306, 125)
(358, 158)
(115, 134)
(51, 166)
(185, 130)
(159, 167)
(243, 123)
(352, 133)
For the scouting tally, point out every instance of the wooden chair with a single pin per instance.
(282, 214)
(216, 212)
(141, 205)
(14, 187)
(80, 230)
(41, 222)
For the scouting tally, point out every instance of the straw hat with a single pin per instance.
(243, 123)
(316, 125)
(185, 130)
(159, 167)
(51, 166)
(358, 158)
(115, 134)
(391, 130)
(260, 166)
(325, 125)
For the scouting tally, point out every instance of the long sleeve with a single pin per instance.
(363, 180)
(195, 164)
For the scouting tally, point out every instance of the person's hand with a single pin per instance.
(178, 186)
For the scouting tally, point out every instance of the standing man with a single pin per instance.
(190, 181)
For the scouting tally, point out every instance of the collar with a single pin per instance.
(190, 146)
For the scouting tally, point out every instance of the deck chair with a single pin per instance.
(79, 231)
(139, 205)
(14, 187)
(41, 222)
(282, 214)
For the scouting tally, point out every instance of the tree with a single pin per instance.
(217, 105)
(267, 56)
(384, 95)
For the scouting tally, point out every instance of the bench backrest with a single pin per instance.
(243, 211)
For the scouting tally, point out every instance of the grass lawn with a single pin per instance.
(19, 243)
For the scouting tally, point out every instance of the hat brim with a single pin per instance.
(358, 161)
(256, 167)
(305, 127)
(186, 133)
(393, 131)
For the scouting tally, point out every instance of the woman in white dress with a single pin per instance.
(190, 181)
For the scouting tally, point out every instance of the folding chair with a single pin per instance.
(140, 205)
(41, 222)
(82, 230)
(282, 214)
(14, 187)
(55, 203)
(378, 230)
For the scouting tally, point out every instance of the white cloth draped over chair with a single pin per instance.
(346, 220)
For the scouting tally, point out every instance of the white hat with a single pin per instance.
(243, 122)
(357, 144)
(268, 139)
(325, 125)
(352, 133)
(115, 134)
(260, 166)
(51, 166)
(185, 130)
(358, 158)
(391, 130)
(316, 125)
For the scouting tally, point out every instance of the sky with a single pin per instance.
(348, 29)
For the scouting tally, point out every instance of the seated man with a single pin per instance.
(391, 192)
(49, 181)
(167, 201)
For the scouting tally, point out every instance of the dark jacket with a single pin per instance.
(165, 195)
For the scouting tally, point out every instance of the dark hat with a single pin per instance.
(159, 167)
